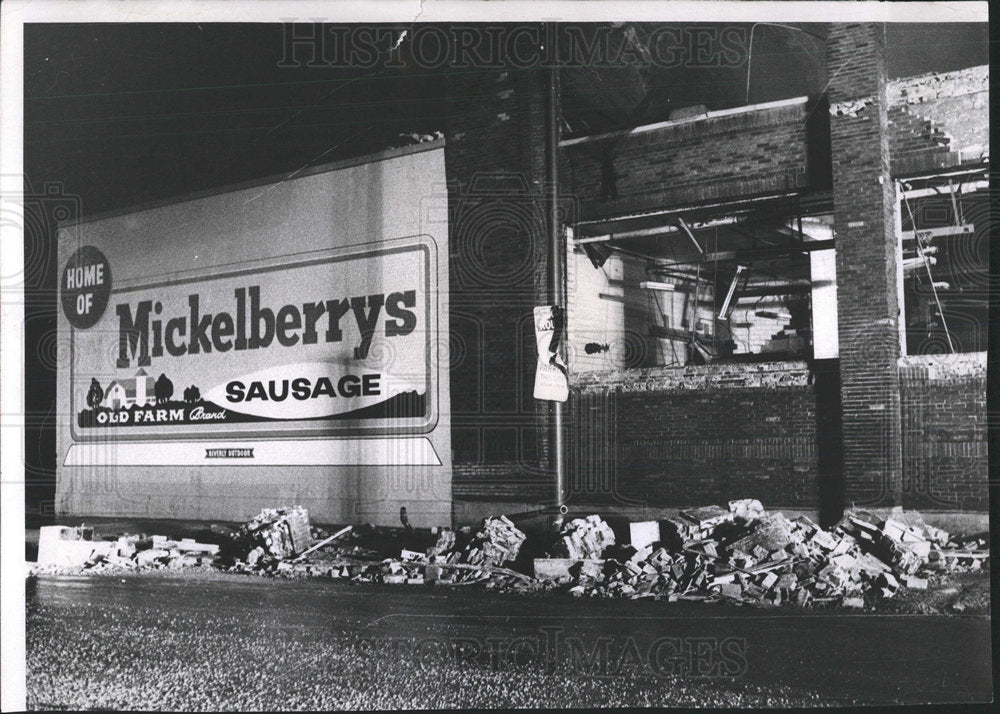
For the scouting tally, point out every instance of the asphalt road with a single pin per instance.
(219, 641)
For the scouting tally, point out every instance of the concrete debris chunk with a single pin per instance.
(708, 517)
(900, 532)
(63, 546)
(586, 538)
(554, 569)
(921, 549)
(644, 533)
(731, 590)
(145, 558)
(771, 534)
(825, 540)
(915, 583)
(445, 542)
(499, 541)
(900, 557)
(915, 521)
(766, 559)
(871, 565)
(591, 570)
(748, 509)
(125, 547)
(281, 532)
(676, 531)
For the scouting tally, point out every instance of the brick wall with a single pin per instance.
(935, 120)
(720, 155)
(944, 432)
(916, 141)
(939, 120)
(670, 437)
(695, 435)
(501, 480)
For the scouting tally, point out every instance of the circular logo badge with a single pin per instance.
(86, 287)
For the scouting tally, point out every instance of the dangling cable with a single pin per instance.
(927, 266)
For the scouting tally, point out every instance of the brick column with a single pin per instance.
(496, 170)
(868, 302)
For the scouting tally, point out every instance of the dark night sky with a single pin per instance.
(120, 114)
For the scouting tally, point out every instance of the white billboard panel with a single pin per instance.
(281, 327)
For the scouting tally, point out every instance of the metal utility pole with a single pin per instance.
(557, 254)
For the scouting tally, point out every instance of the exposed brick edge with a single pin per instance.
(938, 85)
(943, 367)
(765, 375)
(700, 126)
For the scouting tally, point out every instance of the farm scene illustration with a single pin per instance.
(142, 400)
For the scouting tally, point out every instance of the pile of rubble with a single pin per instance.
(740, 553)
(74, 548)
(747, 555)
(271, 538)
(270, 545)
(496, 543)
(275, 534)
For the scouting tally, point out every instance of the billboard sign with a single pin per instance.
(335, 344)
(275, 342)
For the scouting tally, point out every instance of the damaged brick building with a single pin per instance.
(775, 243)
(784, 299)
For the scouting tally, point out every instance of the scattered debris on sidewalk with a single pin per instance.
(278, 533)
(740, 554)
(325, 541)
(64, 548)
(747, 555)
(497, 542)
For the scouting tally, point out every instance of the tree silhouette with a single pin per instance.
(164, 389)
(95, 394)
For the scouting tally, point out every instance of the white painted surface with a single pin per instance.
(823, 274)
(332, 234)
(305, 452)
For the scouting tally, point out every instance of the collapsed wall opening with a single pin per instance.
(944, 235)
(730, 284)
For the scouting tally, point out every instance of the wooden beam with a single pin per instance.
(752, 253)
(927, 233)
(765, 290)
